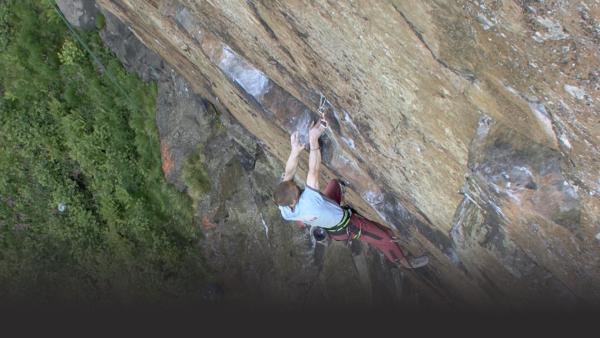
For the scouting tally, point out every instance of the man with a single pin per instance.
(323, 209)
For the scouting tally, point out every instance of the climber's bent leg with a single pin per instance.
(380, 237)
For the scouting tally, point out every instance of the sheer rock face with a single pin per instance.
(471, 128)
(80, 13)
(254, 256)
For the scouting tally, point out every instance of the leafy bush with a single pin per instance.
(70, 53)
(100, 21)
(85, 212)
(195, 176)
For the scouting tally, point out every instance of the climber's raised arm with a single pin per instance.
(314, 158)
(292, 162)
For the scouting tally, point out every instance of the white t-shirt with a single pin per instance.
(314, 209)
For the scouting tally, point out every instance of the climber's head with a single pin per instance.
(287, 194)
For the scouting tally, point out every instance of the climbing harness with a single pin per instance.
(352, 237)
(345, 226)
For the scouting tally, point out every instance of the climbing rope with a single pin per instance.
(96, 59)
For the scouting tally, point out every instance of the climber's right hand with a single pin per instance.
(297, 147)
(316, 129)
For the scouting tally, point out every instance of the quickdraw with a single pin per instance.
(323, 102)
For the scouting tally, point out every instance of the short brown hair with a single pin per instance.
(286, 193)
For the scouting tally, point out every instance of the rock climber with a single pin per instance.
(324, 210)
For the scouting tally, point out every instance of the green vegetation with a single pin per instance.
(71, 137)
(100, 21)
(195, 175)
(4, 27)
